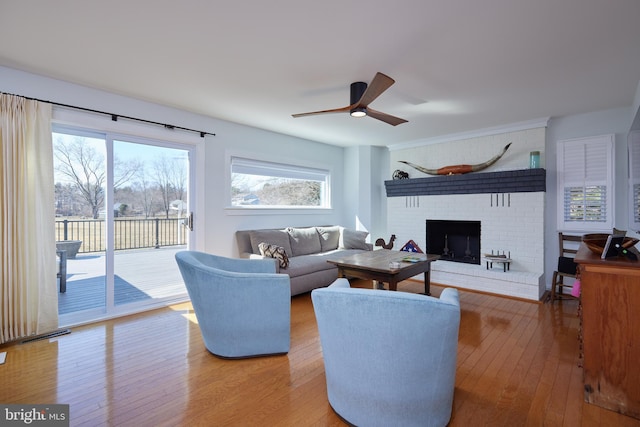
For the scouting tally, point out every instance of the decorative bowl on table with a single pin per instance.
(597, 241)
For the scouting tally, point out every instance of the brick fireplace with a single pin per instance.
(507, 204)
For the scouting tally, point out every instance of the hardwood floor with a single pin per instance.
(517, 366)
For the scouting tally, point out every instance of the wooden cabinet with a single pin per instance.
(611, 331)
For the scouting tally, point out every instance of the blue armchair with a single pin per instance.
(389, 357)
(243, 307)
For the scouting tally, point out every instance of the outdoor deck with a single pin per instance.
(139, 275)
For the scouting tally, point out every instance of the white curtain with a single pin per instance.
(28, 291)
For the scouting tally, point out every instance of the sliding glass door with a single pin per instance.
(150, 212)
(125, 203)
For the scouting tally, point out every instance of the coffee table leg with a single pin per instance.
(427, 282)
(393, 285)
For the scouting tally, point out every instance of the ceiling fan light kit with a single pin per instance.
(357, 90)
(358, 112)
(361, 96)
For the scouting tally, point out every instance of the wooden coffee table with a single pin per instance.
(376, 265)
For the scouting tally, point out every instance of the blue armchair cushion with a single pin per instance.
(243, 307)
(389, 357)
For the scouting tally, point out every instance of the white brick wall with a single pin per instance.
(513, 223)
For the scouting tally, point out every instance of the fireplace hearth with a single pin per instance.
(455, 241)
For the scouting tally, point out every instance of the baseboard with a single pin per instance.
(47, 335)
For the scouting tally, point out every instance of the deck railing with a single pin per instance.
(128, 233)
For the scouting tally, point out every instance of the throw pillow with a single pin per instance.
(353, 239)
(274, 251)
(329, 237)
(304, 241)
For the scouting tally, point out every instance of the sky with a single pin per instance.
(124, 151)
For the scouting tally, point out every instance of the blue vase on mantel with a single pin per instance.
(534, 160)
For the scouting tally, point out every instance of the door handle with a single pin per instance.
(188, 221)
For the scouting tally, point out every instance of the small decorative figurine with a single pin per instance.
(380, 242)
(398, 174)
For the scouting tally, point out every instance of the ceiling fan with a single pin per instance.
(361, 96)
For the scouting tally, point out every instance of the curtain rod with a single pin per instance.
(115, 117)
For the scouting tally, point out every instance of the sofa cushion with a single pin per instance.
(273, 251)
(329, 237)
(272, 237)
(353, 239)
(308, 264)
(304, 241)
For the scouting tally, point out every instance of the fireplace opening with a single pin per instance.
(456, 241)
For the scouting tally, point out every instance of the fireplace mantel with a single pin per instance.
(514, 181)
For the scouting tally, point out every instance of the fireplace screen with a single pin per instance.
(457, 241)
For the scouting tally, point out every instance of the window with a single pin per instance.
(585, 184)
(260, 184)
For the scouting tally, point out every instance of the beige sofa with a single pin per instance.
(306, 251)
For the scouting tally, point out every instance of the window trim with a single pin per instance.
(606, 141)
(289, 168)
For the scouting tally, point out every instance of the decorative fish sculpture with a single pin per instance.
(459, 169)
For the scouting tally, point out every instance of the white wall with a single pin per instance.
(221, 221)
(215, 225)
(365, 204)
(635, 110)
(380, 172)
(616, 121)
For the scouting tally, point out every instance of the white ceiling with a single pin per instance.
(459, 65)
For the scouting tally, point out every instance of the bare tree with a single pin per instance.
(68, 201)
(179, 179)
(124, 171)
(84, 167)
(171, 179)
(147, 192)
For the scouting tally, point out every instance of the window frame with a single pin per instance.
(283, 168)
(576, 174)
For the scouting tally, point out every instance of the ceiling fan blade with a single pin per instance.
(379, 84)
(335, 110)
(387, 118)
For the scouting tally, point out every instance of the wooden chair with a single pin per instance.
(566, 266)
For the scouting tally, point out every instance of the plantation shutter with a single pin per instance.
(585, 183)
(634, 180)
